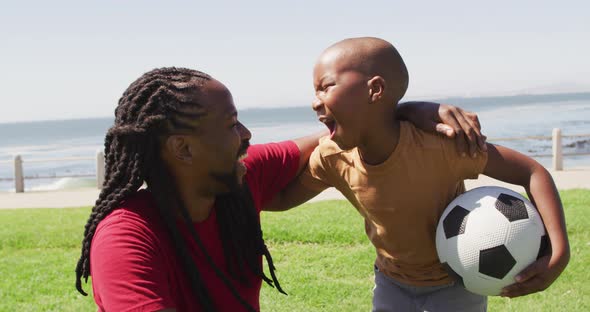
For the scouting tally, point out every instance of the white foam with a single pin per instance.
(65, 183)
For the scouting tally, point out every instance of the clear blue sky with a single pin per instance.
(70, 59)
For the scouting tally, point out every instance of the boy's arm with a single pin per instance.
(510, 166)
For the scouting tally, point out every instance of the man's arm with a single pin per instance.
(306, 145)
(510, 166)
(433, 117)
(448, 120)
(292, 196)
(297, 192)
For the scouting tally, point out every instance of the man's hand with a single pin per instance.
(464, 126)
(451, 121)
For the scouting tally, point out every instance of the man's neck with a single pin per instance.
(198, 206)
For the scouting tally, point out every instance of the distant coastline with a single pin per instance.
(304, 113)
(466, 102)
(476, 100)
(516, 99)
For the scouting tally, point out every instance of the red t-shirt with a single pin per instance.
(133, 263)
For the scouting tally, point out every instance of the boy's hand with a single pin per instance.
(536, 277)
(513, 167)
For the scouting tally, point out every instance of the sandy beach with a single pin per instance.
(566, 179)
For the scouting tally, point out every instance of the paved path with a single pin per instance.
(568, 179)
(565, 180)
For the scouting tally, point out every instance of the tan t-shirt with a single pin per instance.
(401, 199)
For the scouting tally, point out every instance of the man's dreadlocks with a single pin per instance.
(158, 103)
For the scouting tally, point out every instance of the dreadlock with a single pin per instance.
(159, 102)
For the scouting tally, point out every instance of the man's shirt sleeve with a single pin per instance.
(270, 168)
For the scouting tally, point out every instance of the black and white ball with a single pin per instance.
(486, 236)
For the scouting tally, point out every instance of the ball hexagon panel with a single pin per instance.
(467, 256)
(523, 241)
(486, 229)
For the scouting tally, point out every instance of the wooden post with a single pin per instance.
(99, 169)
(557, 150)
(19, 177)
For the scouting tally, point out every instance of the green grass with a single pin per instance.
(323, 258)
(39, 249)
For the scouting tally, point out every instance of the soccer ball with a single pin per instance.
(486, 236)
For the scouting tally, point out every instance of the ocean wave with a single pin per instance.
(579, 145)
(64, 183)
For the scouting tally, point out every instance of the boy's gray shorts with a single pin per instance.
(390, 295)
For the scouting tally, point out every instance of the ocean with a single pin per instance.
(501, 117)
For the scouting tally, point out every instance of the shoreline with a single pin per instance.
(573, 178)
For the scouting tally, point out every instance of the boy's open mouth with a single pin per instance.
(330, 123)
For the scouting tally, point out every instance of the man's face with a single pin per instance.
(340, 92)
(222, 141)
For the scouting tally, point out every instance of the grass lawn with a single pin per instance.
(323, 258)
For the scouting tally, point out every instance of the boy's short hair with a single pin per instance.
(375, 57)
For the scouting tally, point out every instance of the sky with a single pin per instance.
(74, 59)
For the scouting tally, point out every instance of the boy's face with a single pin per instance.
(341, 92)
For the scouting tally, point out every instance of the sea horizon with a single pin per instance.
(465, 102)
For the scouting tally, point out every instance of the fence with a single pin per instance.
(19, 177)
(557, 146)
(557, 154)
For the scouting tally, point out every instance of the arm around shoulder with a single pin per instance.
(309, 183)
(306, 146)
(295, 194)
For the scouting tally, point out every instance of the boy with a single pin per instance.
(401, 178)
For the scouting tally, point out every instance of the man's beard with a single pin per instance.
(230, 180)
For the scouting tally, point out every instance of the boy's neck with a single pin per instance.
(381, 141)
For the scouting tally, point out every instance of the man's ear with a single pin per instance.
(376, 88)
(179, 149)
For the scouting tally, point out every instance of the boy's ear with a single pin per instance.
(376, 88)
(178, 148)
